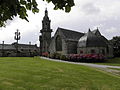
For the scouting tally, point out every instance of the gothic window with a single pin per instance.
(103, 51)
(107, 49)
(92, 51)
(58, 43)
(81, 51)
(46, 24)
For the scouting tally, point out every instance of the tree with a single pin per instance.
(11, 8)
(116, 46)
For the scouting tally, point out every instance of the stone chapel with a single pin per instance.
(72, 42)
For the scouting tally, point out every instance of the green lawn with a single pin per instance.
(37, 74)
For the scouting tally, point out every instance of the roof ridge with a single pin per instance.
(69, 30)
(71, 34)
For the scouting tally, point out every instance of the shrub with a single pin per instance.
(45, 54)
(55, 55)
(52, 56)
(86, 57)
(78, 57)
(63, 57)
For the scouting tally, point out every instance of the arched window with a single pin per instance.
(92, 51)
(58, 43)
(81, 52)
(107, 49)
(103, 51)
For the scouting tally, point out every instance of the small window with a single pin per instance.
(107, 49)
(103, 51)
(92, 51)
(81, 51)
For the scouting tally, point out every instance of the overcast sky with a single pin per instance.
(104, 14)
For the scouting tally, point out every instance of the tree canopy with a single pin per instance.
(116, 45)
(11, 8)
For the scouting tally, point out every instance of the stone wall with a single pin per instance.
(72, 47)
(23, 50)
(52, 47)
(110, 51)
(98, 50)
(94, 50)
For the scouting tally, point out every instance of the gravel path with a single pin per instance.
(111, 69)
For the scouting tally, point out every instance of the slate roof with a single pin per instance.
(12, 46)
(7, 46)
(91, 40)
(71, 35)
(96, 32)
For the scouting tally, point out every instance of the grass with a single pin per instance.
(112, 62)
(38, 74)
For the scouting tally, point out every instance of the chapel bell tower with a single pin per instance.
(45, 37)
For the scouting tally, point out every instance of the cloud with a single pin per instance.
(104, 14)
(90, 8)
(111, 30)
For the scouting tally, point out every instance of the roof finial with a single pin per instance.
(46, 12)
(97, 28)
(89, 30)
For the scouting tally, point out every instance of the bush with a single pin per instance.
(45, 54)
(55, 55)
(86, 57)
(63, 57)
(78, 57)
(74, 57)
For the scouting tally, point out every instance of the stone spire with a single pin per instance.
(46, 30)
(46, 12)
(46, 23)
(46, 15)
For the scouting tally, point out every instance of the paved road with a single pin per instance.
(103, 67)
(86, 64)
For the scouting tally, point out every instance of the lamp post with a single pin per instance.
(2, 48)
(17, 37)
(29, 48)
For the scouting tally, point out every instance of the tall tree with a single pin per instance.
(116, 45)
(11, 8)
